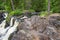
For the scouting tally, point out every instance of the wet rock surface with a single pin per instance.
(39, 28)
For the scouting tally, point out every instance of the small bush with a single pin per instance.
(14, 13)
(44, 13)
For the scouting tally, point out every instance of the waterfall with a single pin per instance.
(5, 15)
(11, 30)
(25, 17)
(11, 22)
(3, 29)
(2, 25)
(6, 32)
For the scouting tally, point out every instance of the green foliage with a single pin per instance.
(44, 13)
(1, 5)
(7, 8)
(7, 5)
(19, 4)
(31, 10)
(55, 6)
(14, 13)
(8, 19)
(39, 5)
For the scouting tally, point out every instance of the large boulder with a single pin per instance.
(38, 28)
(34, 23)
(32, 29)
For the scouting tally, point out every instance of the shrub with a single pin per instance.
(14, 13)
(44, 13)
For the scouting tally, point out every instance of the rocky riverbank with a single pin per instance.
(33, 28)
(39, 28)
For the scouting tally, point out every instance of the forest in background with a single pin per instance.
(17, 7)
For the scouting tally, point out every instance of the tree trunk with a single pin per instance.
(48, 6)
(12, 4)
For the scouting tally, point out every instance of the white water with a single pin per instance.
(25, 17)
(6, 32)
(11, 22)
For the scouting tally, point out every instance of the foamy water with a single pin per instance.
(6, 32)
